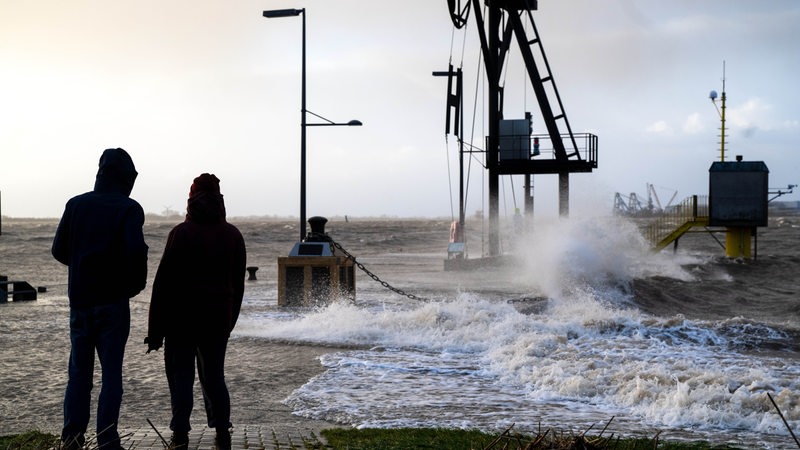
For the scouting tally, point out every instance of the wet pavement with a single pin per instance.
(251, 437)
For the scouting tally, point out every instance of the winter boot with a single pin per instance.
(179, 441)
(223, 439)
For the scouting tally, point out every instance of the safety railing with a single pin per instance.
(541, 147)
(585, 145)
(676, 220)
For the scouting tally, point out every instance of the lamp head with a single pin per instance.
(282, 13)
(712, 95)
(354, 123)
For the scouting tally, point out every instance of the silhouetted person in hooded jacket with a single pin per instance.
(197, 296)
(100, 239)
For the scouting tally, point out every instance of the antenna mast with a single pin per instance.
(722, 127)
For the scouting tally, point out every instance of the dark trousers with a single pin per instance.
(180, 356)
(102, 329)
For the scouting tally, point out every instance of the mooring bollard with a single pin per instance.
(251, 273)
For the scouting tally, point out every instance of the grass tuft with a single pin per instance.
(450, 439)
(30, 440)
(427, 438)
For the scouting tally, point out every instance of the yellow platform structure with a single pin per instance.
(738, 242)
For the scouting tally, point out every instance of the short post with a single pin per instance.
(3, 289)
(251, 273)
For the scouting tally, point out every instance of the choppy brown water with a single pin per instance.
(766, 287)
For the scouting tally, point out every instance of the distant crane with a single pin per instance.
(630, 205)
(651, 194)
(627, 205)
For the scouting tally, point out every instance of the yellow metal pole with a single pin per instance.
(722, 134)
(737, 242)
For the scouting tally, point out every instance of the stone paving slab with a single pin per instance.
(250, 437)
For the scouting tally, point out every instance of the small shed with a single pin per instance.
(738, 194)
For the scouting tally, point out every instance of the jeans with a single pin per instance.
(103, 329)
(180, 356)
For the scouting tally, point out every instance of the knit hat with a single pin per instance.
(205, 183)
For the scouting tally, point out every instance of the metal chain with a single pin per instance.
(375, 277)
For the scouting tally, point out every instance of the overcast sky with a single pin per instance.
(212, 86)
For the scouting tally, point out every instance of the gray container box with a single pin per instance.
(515, 139)
(737, 194)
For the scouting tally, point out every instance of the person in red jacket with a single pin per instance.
(196, 299)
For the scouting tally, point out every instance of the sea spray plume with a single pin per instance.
(565, 253)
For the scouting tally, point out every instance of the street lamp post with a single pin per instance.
(275, 13)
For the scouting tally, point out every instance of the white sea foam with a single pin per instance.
(485, 356)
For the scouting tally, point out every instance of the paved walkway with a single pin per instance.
(251, 437)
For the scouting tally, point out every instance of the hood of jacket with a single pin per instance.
(205, 204)
(115, 173)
